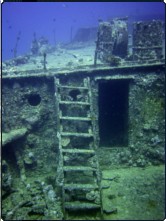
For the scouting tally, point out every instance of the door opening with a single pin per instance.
(113, 113)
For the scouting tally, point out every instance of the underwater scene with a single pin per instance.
(83, 111)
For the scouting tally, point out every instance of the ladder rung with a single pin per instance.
(80, 186)
(76, 134)
(77, 205)
(74, 102)
(78, 168)
(73, 87)
(76, 118)
(78, 151)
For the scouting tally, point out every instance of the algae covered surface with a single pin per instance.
(83, 112)
(136, 193)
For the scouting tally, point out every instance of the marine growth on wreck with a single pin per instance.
(83, 125)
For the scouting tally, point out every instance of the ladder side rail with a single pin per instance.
(92, 114)
(98, 173)
(61, 164)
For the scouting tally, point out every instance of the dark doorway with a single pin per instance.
(113, 113)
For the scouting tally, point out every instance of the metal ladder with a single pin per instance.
(79, 175)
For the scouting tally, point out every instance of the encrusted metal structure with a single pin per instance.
(80, 160)
(148, 41)
(65, 120)
(112, 40)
